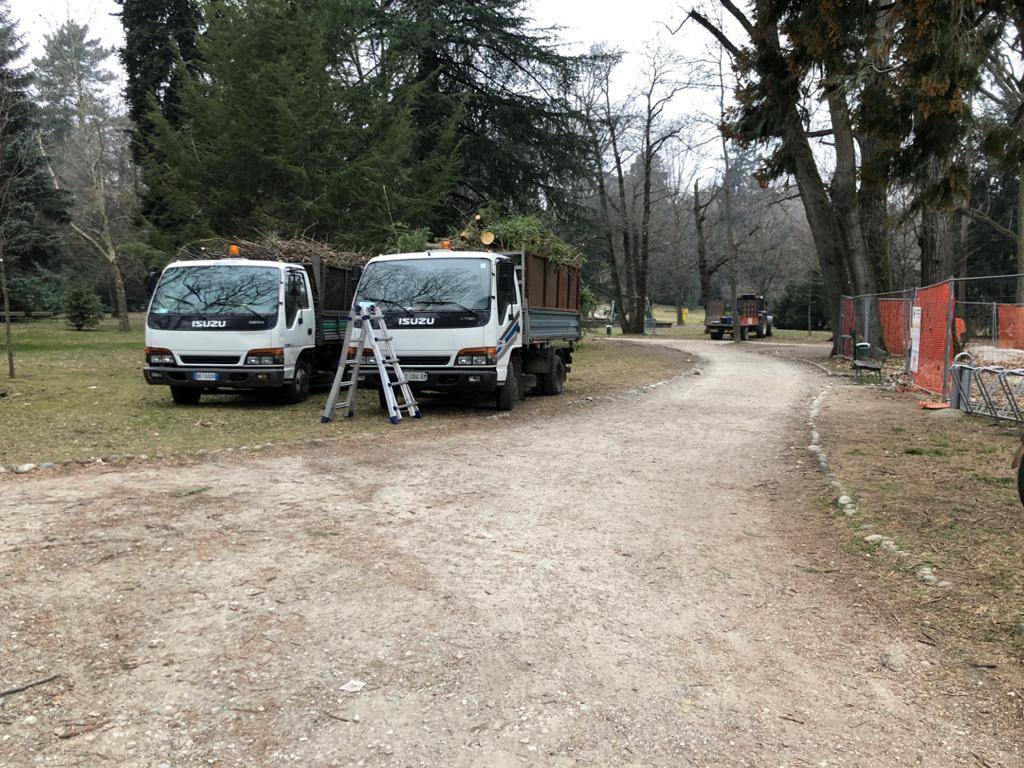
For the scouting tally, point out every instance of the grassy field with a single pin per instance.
(694, 328)
(81, 394)
(940, 485)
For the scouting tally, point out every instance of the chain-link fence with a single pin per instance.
(923, 329)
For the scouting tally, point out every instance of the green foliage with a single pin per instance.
(407, 240)
(82, 307)
(71, 76)
(158, 34)
(38, 290)
(514, 231)
(483, 66)
(29, 203)
(588, 300)
(790, 311)
(277, 142)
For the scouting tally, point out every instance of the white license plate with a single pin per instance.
(205, 376)
(416, 375)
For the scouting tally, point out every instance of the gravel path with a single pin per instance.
(594, 589)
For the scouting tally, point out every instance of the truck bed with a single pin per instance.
(552, 324)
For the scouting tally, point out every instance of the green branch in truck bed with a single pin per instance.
(292, 251)
(530, 232)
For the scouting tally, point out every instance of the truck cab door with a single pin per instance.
(507, 292)
(299, 319)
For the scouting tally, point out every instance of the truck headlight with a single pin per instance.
(477, 356)
(265, 357)
(157, 356)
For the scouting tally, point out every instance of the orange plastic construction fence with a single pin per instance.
(894, 324)
(1011, 326)
(934, 354)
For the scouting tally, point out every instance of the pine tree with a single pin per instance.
(278, 138)
(30, 203)
(158, 35)
(482, 65)
(82, 308)
(71, 77)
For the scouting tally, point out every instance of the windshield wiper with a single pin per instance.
(386, 301)
(453, 303)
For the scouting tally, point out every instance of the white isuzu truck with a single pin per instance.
(465, 322)
(236, 324)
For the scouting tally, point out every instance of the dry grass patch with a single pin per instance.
(941, 486)
(81, 394)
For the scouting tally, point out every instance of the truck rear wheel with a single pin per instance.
(553, 383)
(297, 390)
(762, 329)
(716, 335)
(507, 395)
(186, 395)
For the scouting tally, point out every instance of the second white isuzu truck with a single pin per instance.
(501, 324)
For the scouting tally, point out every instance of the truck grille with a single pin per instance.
(423, 360)
(210, 359)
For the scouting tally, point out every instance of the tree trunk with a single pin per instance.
(703, 268)
(730, 237)
(821, 218)
(7, 315)
(844, 196)
(936, 241)
(123, 323)
(609, 234)
(679, 310)
(1020, 236)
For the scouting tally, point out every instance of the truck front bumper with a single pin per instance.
(440, 379)
(227, 377)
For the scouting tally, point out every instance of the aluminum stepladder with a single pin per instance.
(375, 339)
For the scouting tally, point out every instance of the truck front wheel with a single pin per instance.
(507, 395)
(186, 395)
(297, 390)
(553, 383)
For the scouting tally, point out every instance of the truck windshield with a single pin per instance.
(217, 290)
(429, 284)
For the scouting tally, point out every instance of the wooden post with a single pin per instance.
(810, 284)
(7, 317)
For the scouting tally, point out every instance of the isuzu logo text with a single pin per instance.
(209, 323)
(416, 320)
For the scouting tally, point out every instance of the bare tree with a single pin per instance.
(633, 138)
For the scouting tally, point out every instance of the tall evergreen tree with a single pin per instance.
(30, 203)
(483, 65)
(281, 135)
(158, 34)
(71, 77)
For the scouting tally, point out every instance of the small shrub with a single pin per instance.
(82, 307)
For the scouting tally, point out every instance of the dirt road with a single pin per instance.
(594, 589)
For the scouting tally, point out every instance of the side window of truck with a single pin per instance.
(295, 296)
(506, 287)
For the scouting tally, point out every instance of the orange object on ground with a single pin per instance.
(928, 405)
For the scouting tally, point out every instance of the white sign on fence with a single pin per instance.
(915, 338)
